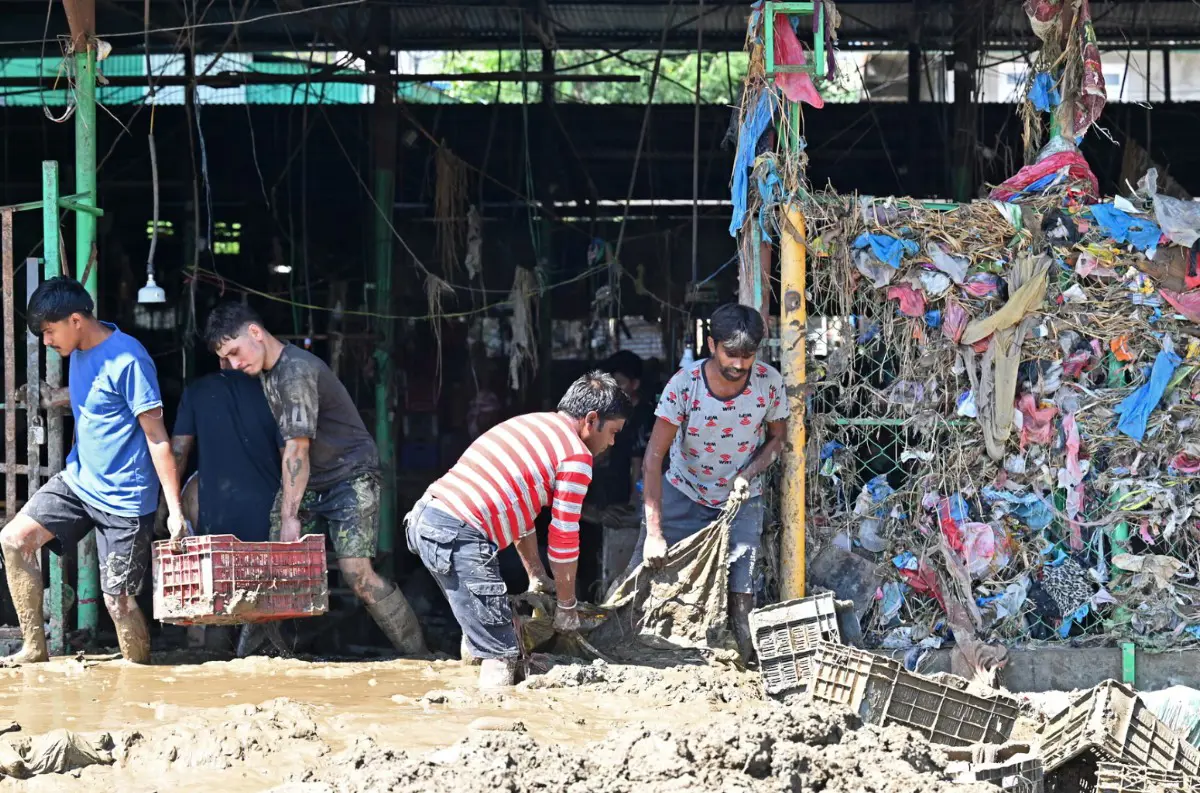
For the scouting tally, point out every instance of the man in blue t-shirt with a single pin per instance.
(111, 482)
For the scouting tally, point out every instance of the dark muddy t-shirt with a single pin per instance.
(238, 445)
(308, 401)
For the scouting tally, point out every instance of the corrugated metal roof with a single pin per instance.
(135, 66)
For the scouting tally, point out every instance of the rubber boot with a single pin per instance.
(464, 652)
(25, 588)
(253, 635)
(133, 637)
(398, 622)
(740, 606)
(498, 673)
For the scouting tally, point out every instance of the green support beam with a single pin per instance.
(52, 266)
(88, 571)
(384, 143)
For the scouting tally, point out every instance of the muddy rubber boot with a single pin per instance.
(133, 637)
(399, 624)
(464, 652)
(25, 588)
(250, 638)
(740, 607)
(498, 673)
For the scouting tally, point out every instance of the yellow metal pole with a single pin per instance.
(793, 325)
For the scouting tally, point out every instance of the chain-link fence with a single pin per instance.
(983, 470)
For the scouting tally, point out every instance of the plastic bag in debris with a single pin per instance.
(1044, 93)
(55, 752)
(1037, 422)
(1068, 166)
(954, 321)
(796, 86)
(1141, 233)
(875, 271)
(1186, 303)
(1179, 220)
(934, 283)
(953, 266)
(1028, 508)
(1178, 707)
(912, 301)
(1136, 408)
(682, 604)
(889, 250)
(1148, 569)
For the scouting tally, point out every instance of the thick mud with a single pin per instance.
(307, 727)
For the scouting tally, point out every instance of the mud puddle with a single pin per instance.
(249, 725)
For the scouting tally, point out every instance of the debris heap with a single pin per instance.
(1003, 405)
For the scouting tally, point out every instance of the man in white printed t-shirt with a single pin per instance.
(723, 420)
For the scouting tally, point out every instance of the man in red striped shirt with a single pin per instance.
(490, 499)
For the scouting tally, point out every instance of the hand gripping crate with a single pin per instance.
(787, 634)
(1117, 778)
(220, 580)
(1110, 724)
(883, 692)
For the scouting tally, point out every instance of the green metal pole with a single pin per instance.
(85, 240)
(385, 182)
(384, 141)
(52, 267)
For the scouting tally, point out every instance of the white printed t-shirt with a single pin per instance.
(717, 437)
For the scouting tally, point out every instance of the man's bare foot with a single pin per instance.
(26, 655)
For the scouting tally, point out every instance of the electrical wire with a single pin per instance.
(225, 283)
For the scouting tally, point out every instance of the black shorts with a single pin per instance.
(122, 543)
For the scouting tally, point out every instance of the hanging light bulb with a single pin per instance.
(151, 292)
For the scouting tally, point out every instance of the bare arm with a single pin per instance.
(295, 476)
(652, 485)
(164, 461)
(57, 398)
(527, 549)
(181, 450)
(564, 580)
(768, 452)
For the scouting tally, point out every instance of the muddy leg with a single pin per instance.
(133, 635)
(386, 604)
(740, 606)
(22, 541)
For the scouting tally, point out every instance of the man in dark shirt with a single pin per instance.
(330, 463)
(620, 473)
(226, 418)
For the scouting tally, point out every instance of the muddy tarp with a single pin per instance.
(55, 752)
(681, 605)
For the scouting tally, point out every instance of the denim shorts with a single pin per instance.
(681, 518)
(122, 544)
(465, 564)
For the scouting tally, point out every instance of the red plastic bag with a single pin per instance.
(796, 86)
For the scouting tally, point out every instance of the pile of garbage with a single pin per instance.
(1003, 402)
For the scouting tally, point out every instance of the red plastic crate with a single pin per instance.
(220, 580)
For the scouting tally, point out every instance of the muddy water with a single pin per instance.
(390, 702)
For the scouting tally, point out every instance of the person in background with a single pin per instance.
(723, 421)
(620, 475)
(330, 471)
(111, 481)
(225, 417)
(490, 499)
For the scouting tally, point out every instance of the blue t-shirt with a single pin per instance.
(109, 466)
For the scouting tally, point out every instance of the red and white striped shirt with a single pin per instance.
(511, 472)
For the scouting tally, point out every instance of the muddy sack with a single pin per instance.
(55, 752)
(684, 603)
